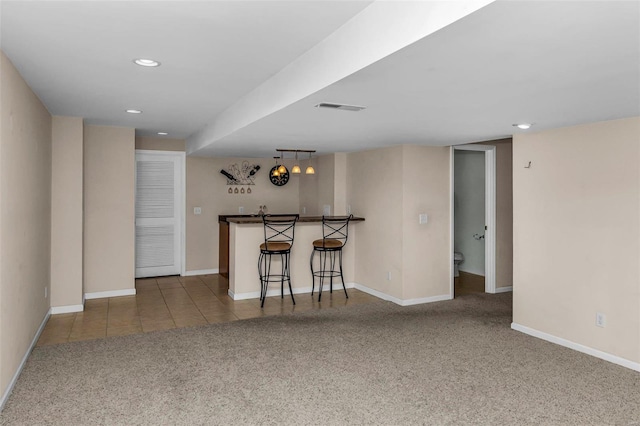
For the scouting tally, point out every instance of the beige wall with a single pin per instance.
(308, 192)
(326, 187)
(25, 217)
(377, 197)
(207, 188)
(109, 209)
(317, 190)
(66, 211)
(160, 144)
(577, 234)
(426, 254)
(391, 240)
(340, 205)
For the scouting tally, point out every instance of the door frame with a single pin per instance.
(182, 186)
(489, 214)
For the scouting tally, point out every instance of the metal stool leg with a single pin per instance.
(313, 276)
(341, 276)
(260, 275)
(333, 268)
(282, 273)
(287, 255)
(323, 267)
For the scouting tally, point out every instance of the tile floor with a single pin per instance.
(173, 302)
(468, 283)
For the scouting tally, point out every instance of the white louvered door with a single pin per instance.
(158, 213)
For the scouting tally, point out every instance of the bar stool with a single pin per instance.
(335, 231)
(278, 239)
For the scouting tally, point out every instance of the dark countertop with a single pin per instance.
(251, 218)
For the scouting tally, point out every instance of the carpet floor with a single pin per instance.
(446, 363)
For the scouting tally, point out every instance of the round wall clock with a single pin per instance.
(280, 180)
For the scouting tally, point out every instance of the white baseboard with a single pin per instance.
(14, 379)
(338, 287)
(402, 302)
(430, 299)
(67, 309)
(504, 289)
(112, 293)
(201, 272)
(276, 292)
(577, 347)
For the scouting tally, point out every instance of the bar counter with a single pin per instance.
(258, 219)
(245, 234)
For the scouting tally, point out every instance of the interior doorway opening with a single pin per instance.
(473, 218)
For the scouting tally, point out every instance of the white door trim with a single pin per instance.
(181, 156)
(490, 213)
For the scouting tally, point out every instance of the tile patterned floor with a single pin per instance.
(468, 283)
(173, 302)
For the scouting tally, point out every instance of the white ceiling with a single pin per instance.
(551, 63)
(78, 55)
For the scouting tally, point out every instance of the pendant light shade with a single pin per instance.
(282, 169)
(276, 171)
(296, 167)
(310, 170)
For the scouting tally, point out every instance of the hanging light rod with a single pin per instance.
(295, 150)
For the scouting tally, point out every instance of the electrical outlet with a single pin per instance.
(241, 210)
(422, 218)
(304, 210)
(46, 292)
(388, 275)
(197, 210)
(349, 209)
(326, 210)
(601, 319)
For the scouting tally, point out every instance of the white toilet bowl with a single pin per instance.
(458, 258)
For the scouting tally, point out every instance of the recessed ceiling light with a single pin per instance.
(523, 126)
(146, 62)
(134, 111)
(163, 133)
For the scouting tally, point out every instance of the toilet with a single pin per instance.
(458, 258)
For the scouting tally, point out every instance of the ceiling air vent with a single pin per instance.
(340, 106)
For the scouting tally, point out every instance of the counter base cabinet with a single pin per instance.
(240, 238)
(223, 250)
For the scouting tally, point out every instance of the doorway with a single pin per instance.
(159, 223)
(473, 216)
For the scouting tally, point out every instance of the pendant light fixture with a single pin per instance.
(296, 167)
(276, 170)
(282, 169)
(310, 170)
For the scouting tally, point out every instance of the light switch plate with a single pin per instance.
(422, 218)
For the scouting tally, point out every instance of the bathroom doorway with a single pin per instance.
(473, 210)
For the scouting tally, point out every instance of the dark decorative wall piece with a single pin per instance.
(242, 174)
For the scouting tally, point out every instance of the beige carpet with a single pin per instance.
(454, 362)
